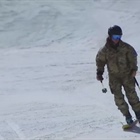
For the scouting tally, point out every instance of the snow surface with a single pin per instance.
(48, 86)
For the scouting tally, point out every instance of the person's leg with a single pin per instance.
(116, 89)
(129, 87)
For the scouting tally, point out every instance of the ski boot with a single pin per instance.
(130, 124)
(138, 116)
(129, 121)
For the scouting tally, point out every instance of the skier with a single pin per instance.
(121, 61)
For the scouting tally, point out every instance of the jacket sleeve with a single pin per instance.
(101, 59)
(132, 57)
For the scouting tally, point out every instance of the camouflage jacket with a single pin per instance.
(119, 61)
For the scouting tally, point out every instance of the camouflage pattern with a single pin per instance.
(128, 83)
(120, 64)
(120, 60)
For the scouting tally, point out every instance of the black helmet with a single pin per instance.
(114, 30)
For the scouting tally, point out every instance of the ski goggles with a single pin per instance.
(116, 37)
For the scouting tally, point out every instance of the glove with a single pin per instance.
(99, 76)
(133, 73)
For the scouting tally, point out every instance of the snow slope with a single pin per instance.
(48, 86)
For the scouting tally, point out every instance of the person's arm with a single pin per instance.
(100, 63)
(132, 57)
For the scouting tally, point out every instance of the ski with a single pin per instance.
(126, 127)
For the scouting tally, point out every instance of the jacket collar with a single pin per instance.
(109, 44)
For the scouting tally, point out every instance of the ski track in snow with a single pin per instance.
(48, 88)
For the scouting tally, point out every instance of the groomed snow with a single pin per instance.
(48, 86)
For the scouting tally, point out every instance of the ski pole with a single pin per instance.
(104, 90)
(137, 83)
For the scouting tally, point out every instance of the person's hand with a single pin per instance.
(99, 76)
(133, 74)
